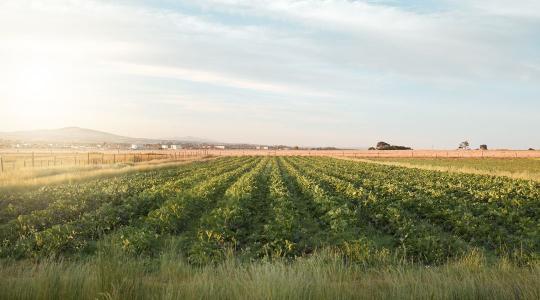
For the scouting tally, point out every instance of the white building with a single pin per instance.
(164, 146)
(136, 147)
(220, 147)
(176, 147)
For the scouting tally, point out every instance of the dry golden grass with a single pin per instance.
(39, 158)
(455, 169)
(36, 177)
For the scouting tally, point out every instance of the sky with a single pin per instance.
(426, 74)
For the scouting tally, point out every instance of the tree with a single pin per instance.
(382, 145)
(464, 145)
(483, 147)
(386, 146)
(372, 148)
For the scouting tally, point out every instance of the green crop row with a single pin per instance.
(279, 207)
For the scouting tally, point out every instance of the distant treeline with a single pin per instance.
(386, 146)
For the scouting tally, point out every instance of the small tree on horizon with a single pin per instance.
(382, 145)
(464, 145)
(483, 147)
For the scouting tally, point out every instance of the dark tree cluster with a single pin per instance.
(386, 146)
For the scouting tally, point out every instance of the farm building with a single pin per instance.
(152, 146)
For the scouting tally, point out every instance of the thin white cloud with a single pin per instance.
(446, 45)
(508, 8)
(213, 78)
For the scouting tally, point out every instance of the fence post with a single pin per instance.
(2, 164)
(32, 159)
(114, 158)
(88, 161)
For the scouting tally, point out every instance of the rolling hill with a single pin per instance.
(84, 136)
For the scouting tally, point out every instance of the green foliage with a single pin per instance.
(273, 208)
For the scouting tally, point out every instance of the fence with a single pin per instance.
(22, 160)
(26, 160)
(386, 153)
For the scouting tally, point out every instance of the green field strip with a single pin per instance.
(482, 223)
(270, 208)
(179, 213)
(232, 224)
(517, 168)
(174, 215)
(344, 194)
(346, 231)
(313, 230)
(489, 189)
(70, 202)
(283, 231)
(92, 225)
(414, 236)
(18, 203)
(347, 195)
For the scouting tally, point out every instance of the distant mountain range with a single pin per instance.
(78, 135)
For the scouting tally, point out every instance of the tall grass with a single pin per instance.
(27, 178)
(464, 165)
(325, 275)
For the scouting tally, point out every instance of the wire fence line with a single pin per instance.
(10, 161)
(386, 153)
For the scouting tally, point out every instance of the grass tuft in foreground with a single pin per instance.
(324, 275)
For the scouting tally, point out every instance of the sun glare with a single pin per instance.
(37, 88)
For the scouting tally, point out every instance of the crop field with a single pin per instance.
(513, 165)
(522, 168)
(273, 227)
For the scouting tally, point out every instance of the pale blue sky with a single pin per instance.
(310, 72)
